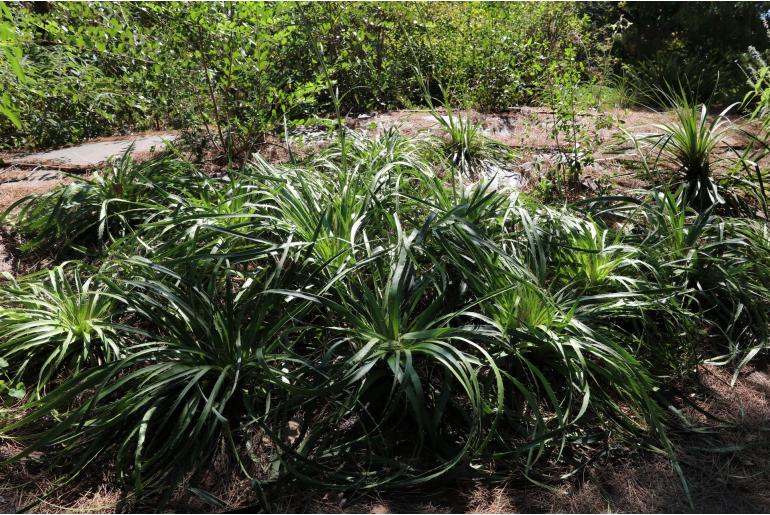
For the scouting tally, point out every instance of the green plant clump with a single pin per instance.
(407, 326)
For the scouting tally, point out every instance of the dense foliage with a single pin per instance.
(98, 67)
(358, 295)
(702, 44)
(379, 313)
(242, 69)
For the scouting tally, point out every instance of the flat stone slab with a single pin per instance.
(94, 154)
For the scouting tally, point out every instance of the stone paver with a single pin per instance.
(94, 154)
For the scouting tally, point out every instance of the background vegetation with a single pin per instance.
(99, 68)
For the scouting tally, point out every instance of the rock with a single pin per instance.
(94, 154)
(503, 178)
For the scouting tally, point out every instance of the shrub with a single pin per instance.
(100, 68)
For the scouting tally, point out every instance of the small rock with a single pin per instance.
(503, 178)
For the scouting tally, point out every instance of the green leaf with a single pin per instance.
(16, 393)
(7, 110)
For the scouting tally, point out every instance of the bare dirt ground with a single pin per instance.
(530, 128)
(527, 130)
(726, 463)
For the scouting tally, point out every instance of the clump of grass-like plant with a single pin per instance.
(213, 359)
(687, 145)
(95, 211)
(407, 324)
(59, 322)
(463, 143)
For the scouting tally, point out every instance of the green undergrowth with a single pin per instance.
(407, 320)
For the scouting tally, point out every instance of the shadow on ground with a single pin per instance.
(726, 465)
